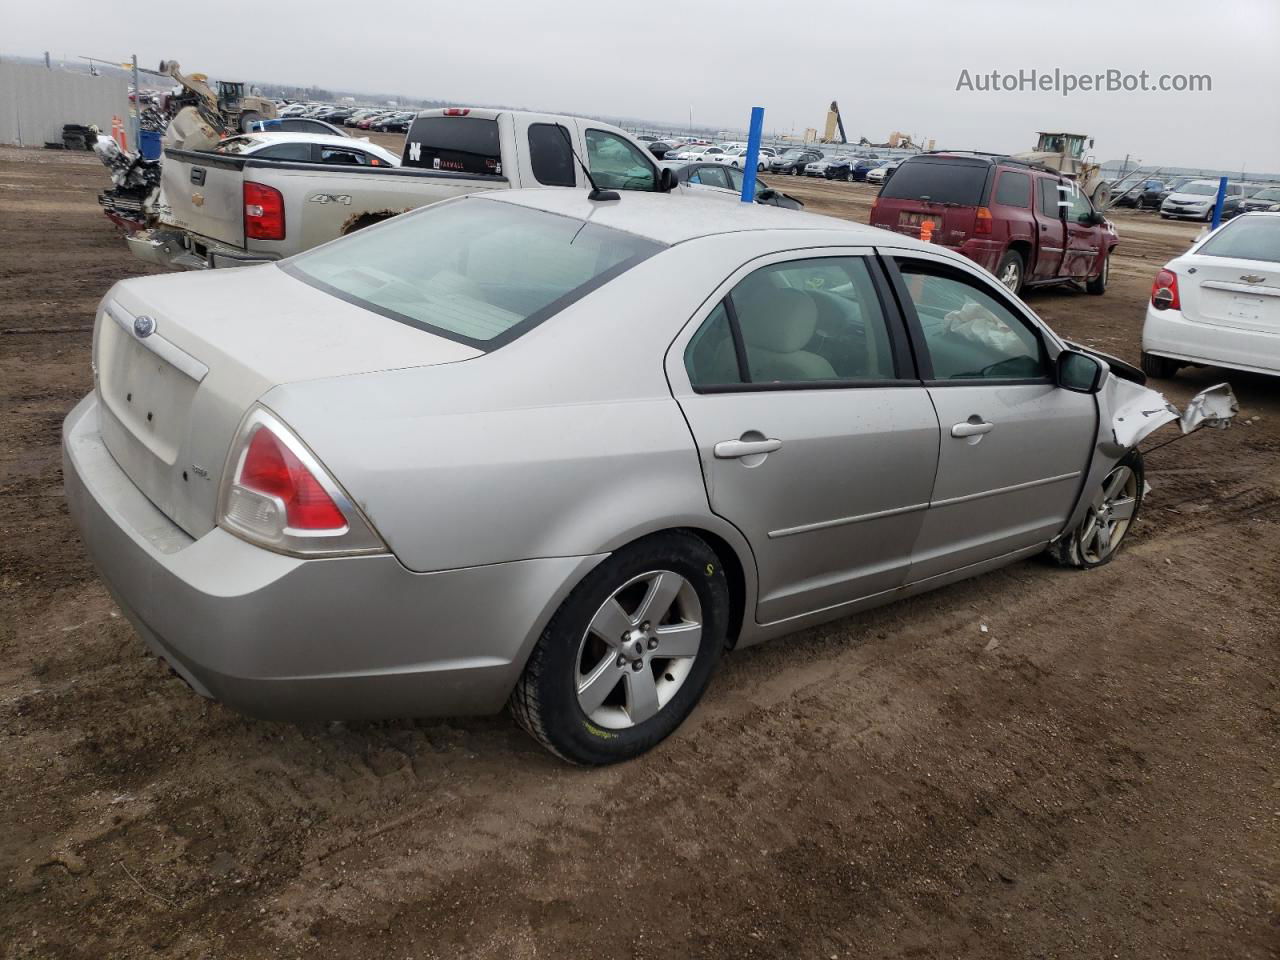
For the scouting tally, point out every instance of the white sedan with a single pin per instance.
(737, 157)
(882, 173)
(1218, 303)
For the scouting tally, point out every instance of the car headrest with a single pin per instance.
(781, 320)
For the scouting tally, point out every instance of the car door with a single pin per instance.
(1084, 237)
(1051, 229)
(816, 439)
(1014, 446)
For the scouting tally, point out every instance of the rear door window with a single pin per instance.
(710, 177)
(960, 182)
(456, 144)
(1013, 189)
(1049, 196)
(550, 155)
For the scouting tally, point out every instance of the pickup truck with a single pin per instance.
(219, 209)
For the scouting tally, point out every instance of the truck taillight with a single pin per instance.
(456, 111)
(277, 495)
(1164, 291)
(263, 212)
(982, 221)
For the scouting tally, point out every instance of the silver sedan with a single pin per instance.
(530, 449)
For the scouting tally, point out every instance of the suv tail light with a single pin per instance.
(277, 495)
(263, 212)
(1164, 291)
(982, 221)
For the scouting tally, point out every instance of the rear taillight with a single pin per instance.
(1164, 291)
(276, 494)
(982, 221)
(263, 212)
(456, 111)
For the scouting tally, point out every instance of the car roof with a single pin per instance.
(673, 219)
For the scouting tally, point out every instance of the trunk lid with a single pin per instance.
(204, 193)
(1231, 292)
(172, 399)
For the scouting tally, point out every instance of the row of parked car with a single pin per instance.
(1193, 198)
(379, 119)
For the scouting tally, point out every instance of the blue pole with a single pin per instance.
(753, 156)
(1217, 204)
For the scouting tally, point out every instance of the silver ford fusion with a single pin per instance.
(535, 450)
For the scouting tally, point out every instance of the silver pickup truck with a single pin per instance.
(219, 209)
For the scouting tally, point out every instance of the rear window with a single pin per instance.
(1249, 238)
(941, 181)
(457, 144)
(478, 271)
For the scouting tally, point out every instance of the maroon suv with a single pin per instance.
(1025, 223)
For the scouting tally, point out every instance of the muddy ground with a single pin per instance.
(1098, 775)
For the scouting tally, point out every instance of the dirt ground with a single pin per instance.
(1098, 775)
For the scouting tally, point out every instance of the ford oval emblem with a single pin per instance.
(143, 326)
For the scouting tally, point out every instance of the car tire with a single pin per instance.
(1112, 512)
(1162, 368)
(573, 661)
(1098, 285)
(1010, 271)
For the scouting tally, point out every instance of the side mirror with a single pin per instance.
(667, 180)
(1080, 372)
(1097, 218)
(768, 193)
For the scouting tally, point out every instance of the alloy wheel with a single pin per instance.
(638, 649)
(1109, 515)
(1010, 276)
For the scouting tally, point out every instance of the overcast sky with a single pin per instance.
(892, 66)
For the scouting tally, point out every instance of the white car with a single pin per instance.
(737, 157)
(309, 148)
(1195, 200)
(881, 173)
(1219, 303)
(700, 153)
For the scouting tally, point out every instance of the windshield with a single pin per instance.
(478, 271)
(1200, 189)
(795, 152)
(1272, 194)
(1249, 238)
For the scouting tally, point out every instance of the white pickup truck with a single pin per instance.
(221, 209)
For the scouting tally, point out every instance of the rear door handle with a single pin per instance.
(971, 429)
(735, 449)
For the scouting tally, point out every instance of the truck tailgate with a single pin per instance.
(204, 194)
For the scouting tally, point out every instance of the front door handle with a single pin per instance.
(736, 449)
(971, 428)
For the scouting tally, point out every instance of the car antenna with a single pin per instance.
(596, 193)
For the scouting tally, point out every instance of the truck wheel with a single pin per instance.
(1098, 285)
(1009, 272)
(1162, 368)
(248, 119)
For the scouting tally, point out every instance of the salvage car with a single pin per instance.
(1029, 225)
(726, 182)
(308, 148)
(530, 448)
(1268, 198)
(221, 210)
(1218, 303)
(793, 160)
(1195, 200)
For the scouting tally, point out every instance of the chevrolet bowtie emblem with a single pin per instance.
(197, 199)
(1250, 278)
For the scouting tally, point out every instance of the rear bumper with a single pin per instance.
(1168, 333)
(277, 636)
(176, 248)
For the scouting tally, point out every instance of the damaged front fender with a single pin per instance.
(1134, 412)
